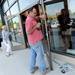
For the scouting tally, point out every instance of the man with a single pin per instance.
(35, 37)
(64, 20)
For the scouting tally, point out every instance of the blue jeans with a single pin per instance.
(37, 54)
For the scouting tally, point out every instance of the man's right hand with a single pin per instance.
(38, 25)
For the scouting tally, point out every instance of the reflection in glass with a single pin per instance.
(16, 30)
(24, 3)
(8, 14)
(71, 7)
(11, 2)
(14, 9)
(5, 6)
(52, 11)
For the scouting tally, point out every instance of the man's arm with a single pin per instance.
(31, 30)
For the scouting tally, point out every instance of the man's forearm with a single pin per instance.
(31, 30)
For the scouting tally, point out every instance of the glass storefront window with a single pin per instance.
(11, 2)
(10, 23)
(8, 14)
(5, 6)
(71, 7)
(16, 29)
(24, 3)
(15, 23)
(52, 11)
(60, 43)
(14, 9)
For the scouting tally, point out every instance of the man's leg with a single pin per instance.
(40, 57)
(69, 42)
(64, 40)
(32, 60)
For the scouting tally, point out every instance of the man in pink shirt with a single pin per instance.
(35, 37)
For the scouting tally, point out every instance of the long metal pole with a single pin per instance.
(48, 39)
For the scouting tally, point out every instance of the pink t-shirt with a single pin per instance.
(36, 35)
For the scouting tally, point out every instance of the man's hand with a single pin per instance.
(38, 25)
(43, 16)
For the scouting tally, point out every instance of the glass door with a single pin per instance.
(61, 44)
(52, 11)
(71, 7)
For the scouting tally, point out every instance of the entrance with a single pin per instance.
(23, 18)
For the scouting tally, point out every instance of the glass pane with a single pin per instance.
(52, 11)
(8, 14)
(11, 2)
(5, 6)
(14, 9)
(16, 30)
(55, 7)
(24, 3)
(71, 7)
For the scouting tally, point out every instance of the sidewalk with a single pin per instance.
(17, 64)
